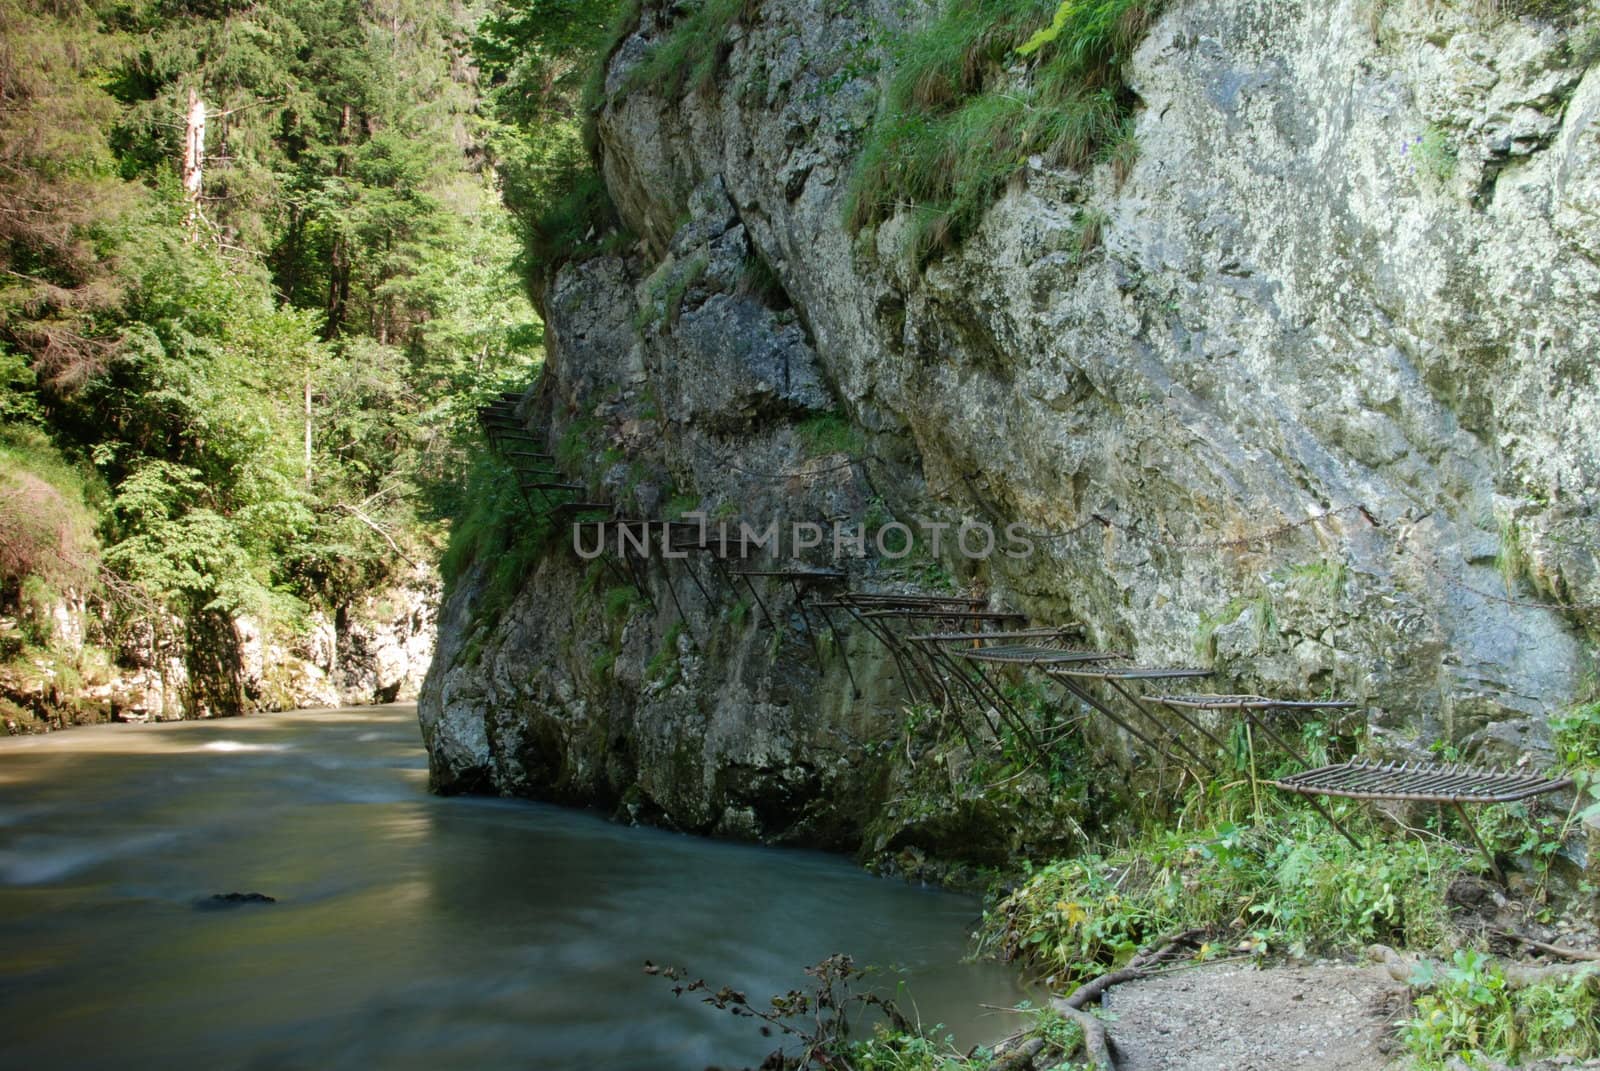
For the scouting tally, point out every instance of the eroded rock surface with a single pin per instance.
(1292, 312)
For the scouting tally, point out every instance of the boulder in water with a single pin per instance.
(223, 901)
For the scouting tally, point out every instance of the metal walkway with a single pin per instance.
(1454, 784)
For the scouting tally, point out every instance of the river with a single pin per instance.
(409, 930)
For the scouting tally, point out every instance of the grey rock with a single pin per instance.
(1289, 317)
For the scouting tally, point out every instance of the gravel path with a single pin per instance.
(1229, 1018)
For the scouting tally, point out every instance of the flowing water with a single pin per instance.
(409, 931)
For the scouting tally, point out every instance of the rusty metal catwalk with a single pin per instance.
(1074, 678)
(936, 655)
(1455, 784)
(534, 470)
(1061, 632)
(1427, 782)
(943, 647)
(1033, 655)
(1209, 701)
(677, 541)
(802, 580)
(879, 612)
(1252, 707)
(912, 601)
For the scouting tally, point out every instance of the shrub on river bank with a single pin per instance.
(1282, 879)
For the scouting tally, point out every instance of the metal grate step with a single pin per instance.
(548, 486)
(1129, 673)
(1428, 782)
(892, 600)
(1026, 654)
(815, 575)
(902, 614)
(1057, 632)
(1251, 702)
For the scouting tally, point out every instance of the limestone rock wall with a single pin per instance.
(1292, 311)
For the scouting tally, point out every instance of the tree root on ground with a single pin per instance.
(1554, 950)
(1019, 1052)
(1403, 968)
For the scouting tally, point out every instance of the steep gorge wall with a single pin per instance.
(1291, 311)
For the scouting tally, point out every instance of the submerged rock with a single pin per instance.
(225, 901)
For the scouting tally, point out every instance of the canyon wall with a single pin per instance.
(1306, 396)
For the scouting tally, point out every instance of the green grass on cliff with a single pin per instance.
(692, 52)
(498, 532)
(980, 89)
(977, 91)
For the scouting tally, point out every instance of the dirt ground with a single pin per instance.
(1328, 1017)
(1237, 1018)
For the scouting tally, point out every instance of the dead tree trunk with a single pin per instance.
(308, 425)
(194, 157)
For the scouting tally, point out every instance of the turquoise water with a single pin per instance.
(409, 931)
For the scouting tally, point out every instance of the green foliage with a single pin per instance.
(821, 1021)
(692, 53)
(543, 62)
(61, 200)
(913, 1050)
(760, 281)
(498, 534)
(342, 281)
(1285, 879)
(1265, 622)
(1578, 736)
(666, 291)
(956, 124)
(570, 221)
(680, 504)
(822, 434)
(1432, 155)
(1323, 578)
(47, 525)
(919, 567)
(577, 442)
(1123, 152)
(19, 400)
(1470, 1011)
(620, 602)
(1510, 558)
(818, 1023)
(663, 668)
(1577, 740)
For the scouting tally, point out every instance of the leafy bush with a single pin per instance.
(1470, 1011)
(1286, 879)
(1578, 736)
(47, 540)
(499, 531)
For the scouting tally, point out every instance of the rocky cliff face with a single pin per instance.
(1317, 408)
(376, 652)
